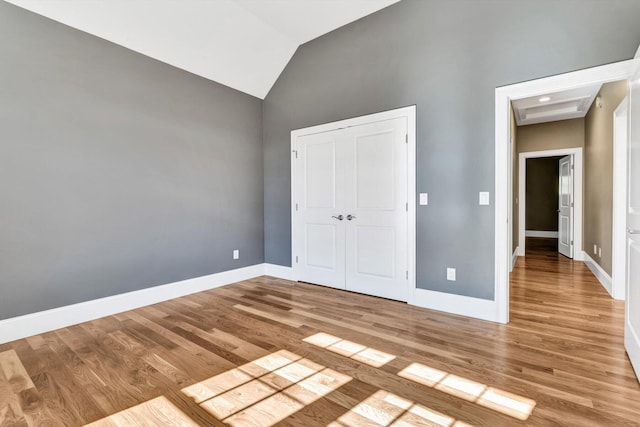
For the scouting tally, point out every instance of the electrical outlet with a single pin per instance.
(595, 249)
(600, 252)
(236, 254)
(451, 274)
(483, 198)
(424, 199)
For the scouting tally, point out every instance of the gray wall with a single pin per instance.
(447, 57)
(542, 188)
(117, 172)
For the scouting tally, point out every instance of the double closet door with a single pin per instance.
(350, 219)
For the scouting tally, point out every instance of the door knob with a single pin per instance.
(630, 231)
(339, 217)
(350, 217)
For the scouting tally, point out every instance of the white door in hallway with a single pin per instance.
(351, 208)
(565, 207)
(632, 308)
(319, 214)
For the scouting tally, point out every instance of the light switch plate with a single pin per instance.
(451, 274)
(236, 254)
(424, 199)
(484, 198)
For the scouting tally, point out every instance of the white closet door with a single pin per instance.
(632, 303)
(320, 233)
(565, 208)
(376, 209)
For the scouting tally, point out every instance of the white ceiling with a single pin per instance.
(568, 104)
(244, 44)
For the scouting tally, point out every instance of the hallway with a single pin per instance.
(570, 314)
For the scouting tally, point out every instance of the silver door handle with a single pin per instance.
(630, 231)
(350, 217)
(339, 217)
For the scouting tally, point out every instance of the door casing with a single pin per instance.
(503, 182)
(577, 196)
(405, 112)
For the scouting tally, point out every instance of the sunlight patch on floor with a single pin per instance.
(387, 409)
(355, 351)
(490, 397)
(265, 391)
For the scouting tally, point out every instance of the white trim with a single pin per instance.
(577, 195)
(457, 304)
(410, 114)
(602, 276)
(537, 233)
(620, 157)
(36, 323)
(278, 271)
(503, 95)
(514, 258)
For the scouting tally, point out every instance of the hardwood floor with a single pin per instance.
(268, 352)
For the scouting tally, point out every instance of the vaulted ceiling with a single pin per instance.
(244, 44)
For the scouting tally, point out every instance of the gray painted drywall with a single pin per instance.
(117, 172)
(447, 57)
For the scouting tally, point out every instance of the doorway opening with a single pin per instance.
(550, 189)
(540, 89)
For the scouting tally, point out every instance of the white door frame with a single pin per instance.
(620, 170)
(577, 196)
(406, 112)
(503, 182)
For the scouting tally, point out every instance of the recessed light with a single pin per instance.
(544, 99)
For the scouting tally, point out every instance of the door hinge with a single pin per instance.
(571, 204)
(296, 152)
(296, 259)
(406, 274)
(406, 138)
(296, 206)
(572, 243)
(406, 206)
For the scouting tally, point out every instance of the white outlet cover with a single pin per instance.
(424, 199)
(236, 254)
(600, 252)
(451, 274)
(484, 198)
(595, 249)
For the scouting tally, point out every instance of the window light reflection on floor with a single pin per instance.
(355, 351)
(387, 409)
(265, 391)
(490, 397)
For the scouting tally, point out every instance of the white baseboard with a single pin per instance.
(536, 233)
(457, 304)
(36, 323)
(600, 274)
(279, 271)
(514, 257)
